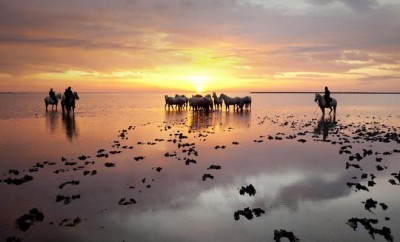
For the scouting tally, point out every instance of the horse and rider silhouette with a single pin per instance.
(326, 102)
(67, 100)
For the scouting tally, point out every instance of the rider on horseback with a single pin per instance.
(52, 95)
(68, 94)
(327, 97)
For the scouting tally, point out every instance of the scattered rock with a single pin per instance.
(358, 186)
(18, 181)
(59, 171)
(125, 201)
(248, 213)
(248, 189)
(278, 234)
(67, 222)
(367, 223)
(13, 171)
(67, 199)
(370, 203)
(158, 169)
(214, 167)
(384, 206)
(205, 176)
(68, 182)
(83, 157)
(379, 168)
(188, 161)
(27, 220)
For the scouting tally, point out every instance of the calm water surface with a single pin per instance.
(301, 186)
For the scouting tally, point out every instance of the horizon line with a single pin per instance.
(252, 92)
(307, 92)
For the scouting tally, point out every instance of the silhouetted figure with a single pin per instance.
(52, 95)
(68, 94)
(327, 96)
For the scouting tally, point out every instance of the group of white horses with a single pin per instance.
(207, 102)
(70, 105)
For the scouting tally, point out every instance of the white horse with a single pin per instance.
(217, 101)
(177, 101)
(245, 101)
(49, 101)
(209, 102)
(198, 102)
(70, 104)
(322, 104)
(235, 101)
(183, 99)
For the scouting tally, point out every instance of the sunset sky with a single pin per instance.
(204, 45)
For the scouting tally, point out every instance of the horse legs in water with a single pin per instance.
(52, 106)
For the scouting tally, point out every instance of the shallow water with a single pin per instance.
(301, 186)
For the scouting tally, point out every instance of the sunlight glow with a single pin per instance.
(199, 82)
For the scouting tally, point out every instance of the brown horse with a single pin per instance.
(69, 104)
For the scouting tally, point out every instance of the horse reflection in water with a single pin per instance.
(70, 126)
(202, 120)
(52, 121)
(206, 120)
(325, 125)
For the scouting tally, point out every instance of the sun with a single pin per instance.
(199, 82)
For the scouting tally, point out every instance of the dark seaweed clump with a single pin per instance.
(248, 189)
(248, 213)
(27, 220)
(367, 223)
(278, 234)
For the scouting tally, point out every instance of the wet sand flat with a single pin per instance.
(128, 170)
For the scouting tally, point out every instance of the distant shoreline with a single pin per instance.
(252, 92)
(322, 92)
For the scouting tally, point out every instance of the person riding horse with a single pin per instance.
(327, 97)
(68, 94)
(52, 95)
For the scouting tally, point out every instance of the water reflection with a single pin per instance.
(204, 120)
(52, 121)
(70, 126)
(241, 118)
(199, 120)
(325, 125)
(315, 188)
